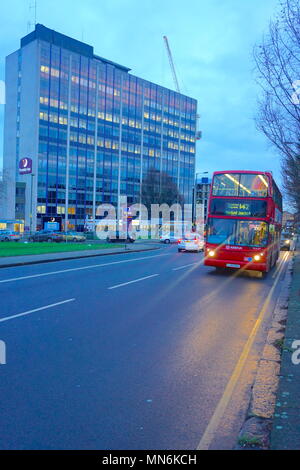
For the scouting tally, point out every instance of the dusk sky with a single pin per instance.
(211, 42)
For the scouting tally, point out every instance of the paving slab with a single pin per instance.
(285, 434)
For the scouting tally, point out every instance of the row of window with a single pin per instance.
(106, 89)
(55, 103)
(85, 139)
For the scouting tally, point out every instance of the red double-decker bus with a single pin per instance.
(244, 221)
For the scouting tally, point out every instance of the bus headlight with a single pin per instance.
(256, 257)
(211, 253)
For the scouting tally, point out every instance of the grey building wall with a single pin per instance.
(29, 124)
(21, 125)
(10, 133)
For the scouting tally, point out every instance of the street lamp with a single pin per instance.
(31, 202)
(195, 194)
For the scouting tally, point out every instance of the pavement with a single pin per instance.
(10, 261)
(285, 433)
(131, 351)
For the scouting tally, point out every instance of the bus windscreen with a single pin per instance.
(237, 232)
(240, 184)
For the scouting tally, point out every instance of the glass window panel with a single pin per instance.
(253, 185)
(237, 232)
(237, 184)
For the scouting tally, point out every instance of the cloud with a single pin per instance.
(211, 44)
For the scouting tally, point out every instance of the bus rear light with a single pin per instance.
(257, 257)
(211, 253)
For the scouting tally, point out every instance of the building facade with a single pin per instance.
(93, 131)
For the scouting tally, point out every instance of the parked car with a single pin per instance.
(46, 236)
(168, 238)
(73, 237)
(121, 236)
(286, 241)
(191, 242)
(9, 236)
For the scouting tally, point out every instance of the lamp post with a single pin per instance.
(195, 194)
(31, 202)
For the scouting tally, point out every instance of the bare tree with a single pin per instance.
(160, 188)
(277, 61)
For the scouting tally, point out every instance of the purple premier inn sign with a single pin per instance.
(25, 166)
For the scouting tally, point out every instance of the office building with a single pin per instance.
(92, 130)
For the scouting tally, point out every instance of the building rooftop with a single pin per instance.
(61, 40)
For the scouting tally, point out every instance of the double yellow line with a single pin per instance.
(218, 414)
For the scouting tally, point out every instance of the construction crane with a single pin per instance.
(172, 64)
(198, 133)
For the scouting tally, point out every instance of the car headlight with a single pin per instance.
(287, 242)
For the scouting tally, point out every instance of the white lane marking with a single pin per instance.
(78, 269)
(185, 266)
(35, 310)
(131, 282)
(284, 258)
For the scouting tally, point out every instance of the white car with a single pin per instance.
(191, 242)
(168, 238)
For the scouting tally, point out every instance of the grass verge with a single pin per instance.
(20, 249)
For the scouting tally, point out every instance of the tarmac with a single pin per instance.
(285, 434)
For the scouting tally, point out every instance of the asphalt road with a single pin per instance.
(130, 351)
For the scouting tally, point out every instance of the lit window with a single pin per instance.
(60, 209)
(44, 69)
(41, 209)
(53, 118)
